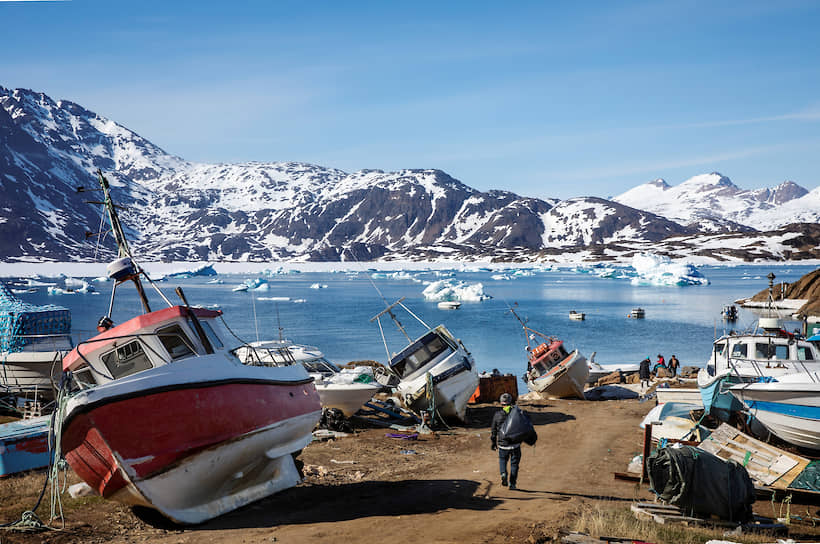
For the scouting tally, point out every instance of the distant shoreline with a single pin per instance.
(86, 269)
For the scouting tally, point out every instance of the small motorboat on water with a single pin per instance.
(729, 313)
(162, 413)
(345, 389)
(577, 316)
(449, 305)
(637, 313)
(33, 340)
(434, 372)
(551, 370)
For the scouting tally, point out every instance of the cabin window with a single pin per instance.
(126, 360)
(719, 349)
(739, 351)
(84, 377)
(175, 341)
(426, 353)
(804, 353)
(768, 351)
(781, 351)
(216, 343)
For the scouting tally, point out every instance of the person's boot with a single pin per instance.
(504, 480)
(512, 485)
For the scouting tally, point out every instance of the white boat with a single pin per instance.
(551, 370)
(690, 396)
(577, 316)
(788, 407)
(163, 414)
(433, 371)
(637, 313)
(33, 340)
(598, 371)
(766, 352)
(343, 389)
(449, 305)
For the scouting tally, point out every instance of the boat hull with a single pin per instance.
(191, 450)
(791, 411)
(24, 445)
(348, 398)
(455, 380)
(31, 372)
(565, 379)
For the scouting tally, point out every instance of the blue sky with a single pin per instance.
(546, 99)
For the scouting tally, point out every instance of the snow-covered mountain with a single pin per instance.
(177, 210)
(712, 203)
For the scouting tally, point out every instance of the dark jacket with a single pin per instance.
(498, 420)
(644, 369)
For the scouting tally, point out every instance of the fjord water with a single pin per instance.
(336, 318)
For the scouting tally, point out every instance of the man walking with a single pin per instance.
(506, 450)
(644, 373)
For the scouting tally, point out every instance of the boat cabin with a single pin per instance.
(544, 357)
(284, 353)
(144, 342)
(768, 351)
(426, 352)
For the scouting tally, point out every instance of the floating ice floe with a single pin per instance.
(500, 277)
(101, 279)
(276, 299)
(204, 270)
(522, 273)
(659, 270)
(216, 281)
(240, 288)
(299, 301)
(400, 275)
(318, 286)
(453, 290)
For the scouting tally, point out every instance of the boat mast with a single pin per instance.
(122, 243)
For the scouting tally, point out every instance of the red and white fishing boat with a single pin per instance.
(163, 414)
(551, 370)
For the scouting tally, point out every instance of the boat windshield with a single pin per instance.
(719, 347)
(126, 360)
(321, 366)
(418, 354)
(804, 353)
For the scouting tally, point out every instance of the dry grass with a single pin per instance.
(619, 521)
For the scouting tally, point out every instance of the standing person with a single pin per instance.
(673, 365)
(506, 450)
(643, 371)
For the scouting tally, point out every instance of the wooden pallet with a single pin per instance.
(767, 465)
(667, 513)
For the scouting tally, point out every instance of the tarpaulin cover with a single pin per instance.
(18, 318)
(699, 482)
(808, 479)
(517, 428)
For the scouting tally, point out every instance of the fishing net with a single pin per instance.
(19, 319)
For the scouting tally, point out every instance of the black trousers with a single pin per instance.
(514, 455)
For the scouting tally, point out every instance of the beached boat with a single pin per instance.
(598, 371)
(33, 340)
(637, 313)
(577, 316)
(449, 305)
(766, 352)
(343, 389)
(551, 370)
(434, 371)
(164, 415)
(788, 406)
(24, 445)
(690, 395)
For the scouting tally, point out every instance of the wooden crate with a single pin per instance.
(490, 388)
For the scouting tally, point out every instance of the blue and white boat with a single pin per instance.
(788, 406)
(24, 445)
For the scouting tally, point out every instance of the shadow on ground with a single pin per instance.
(329, 503)
(482, 416)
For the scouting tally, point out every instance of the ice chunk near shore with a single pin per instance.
(659, 270)
(204, 270)
(452, 290)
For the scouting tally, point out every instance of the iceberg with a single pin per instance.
(452, 290)
(204, 270)
(658, 270)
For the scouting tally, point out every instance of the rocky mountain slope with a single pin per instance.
(177, 210)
